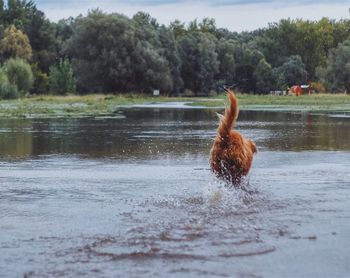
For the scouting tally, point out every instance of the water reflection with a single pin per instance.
(146, 133)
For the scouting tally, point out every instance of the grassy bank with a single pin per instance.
(316, 103)
(99, 105)
(72, 106)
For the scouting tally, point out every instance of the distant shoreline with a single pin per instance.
(108, 105)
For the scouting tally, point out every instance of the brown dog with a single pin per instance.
(231, 155)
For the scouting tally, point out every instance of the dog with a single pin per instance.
(231, 156)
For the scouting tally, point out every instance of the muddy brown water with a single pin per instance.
(132, 196)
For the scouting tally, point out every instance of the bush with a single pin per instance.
(213, 93)
(61, 79)
(7, 90)
(19, 73)
(41, 83)
(188, 93)
(318, 87)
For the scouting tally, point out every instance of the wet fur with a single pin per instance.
(231, 156)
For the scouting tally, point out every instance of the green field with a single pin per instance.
(102, 105)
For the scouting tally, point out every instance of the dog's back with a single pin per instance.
(231, 155)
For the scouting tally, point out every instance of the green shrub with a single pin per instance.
(7, 90)
(19, 73)
(61, 79)
(41, 81)
(318, 87)
(213, 93)
(188, 93)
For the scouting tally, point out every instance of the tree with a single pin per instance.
(151, 67)
(311, 40)
(61, 79)
(15, 44)
(100, 49)
(20, 74)
(64, 31)
(199, 62)
(247, 60)
(265, 79)
(278, 41)
(113, 53)
(41, 80)
(145, 19)
(293, 71)
(208, 25)
(311, 45)
(7, 90)
(227, 62)
(171, 53)
(41, 33)
(17, 12)
(178, 28)
(43, 40)
(2, 8)
(337, 72)
(279, 79)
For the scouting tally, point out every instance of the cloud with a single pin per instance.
(235, 15)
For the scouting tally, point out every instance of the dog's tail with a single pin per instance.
(231, 113)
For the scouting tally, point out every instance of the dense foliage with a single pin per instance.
(7, 90)
(19, 74)
(15, 44)
(110, 53)
(61, 79)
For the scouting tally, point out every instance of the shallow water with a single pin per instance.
(132, 196)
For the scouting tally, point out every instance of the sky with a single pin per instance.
(235, 15)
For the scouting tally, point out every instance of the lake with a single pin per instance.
(131, 195)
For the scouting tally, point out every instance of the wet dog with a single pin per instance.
(231, 156)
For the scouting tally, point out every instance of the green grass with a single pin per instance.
(315, 102)
(102, 105)
(72, 106)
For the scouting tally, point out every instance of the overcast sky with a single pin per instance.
(235, 15)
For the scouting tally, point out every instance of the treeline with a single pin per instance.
(109, 53)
